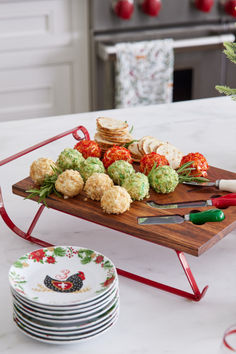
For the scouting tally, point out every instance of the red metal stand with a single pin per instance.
(195, 296)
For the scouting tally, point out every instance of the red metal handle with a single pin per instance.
(84, 131)
(73, 131)
(204, 5)
(225, 201)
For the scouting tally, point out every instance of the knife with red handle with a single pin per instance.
(220, 203)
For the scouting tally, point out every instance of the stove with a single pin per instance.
(198, 27)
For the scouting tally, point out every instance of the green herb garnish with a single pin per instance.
(184, 174)
(128, 144)
(47, 188)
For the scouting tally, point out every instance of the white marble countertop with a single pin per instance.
(151, 321)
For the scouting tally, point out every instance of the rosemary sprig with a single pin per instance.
(184, 174)
(128, 144)
(47, 188)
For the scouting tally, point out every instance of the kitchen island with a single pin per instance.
(151, 321)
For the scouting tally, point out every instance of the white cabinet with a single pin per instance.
(44, 62)
(34, 92)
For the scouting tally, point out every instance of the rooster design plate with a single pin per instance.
(62, 275)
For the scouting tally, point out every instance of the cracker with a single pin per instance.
(111, 124)
(172, 154)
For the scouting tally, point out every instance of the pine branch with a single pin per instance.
(230, 51)
(226, 90)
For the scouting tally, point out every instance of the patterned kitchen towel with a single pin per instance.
(144, 73)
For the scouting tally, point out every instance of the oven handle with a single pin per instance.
(108, 52)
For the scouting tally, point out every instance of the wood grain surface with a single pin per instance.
(186, 237)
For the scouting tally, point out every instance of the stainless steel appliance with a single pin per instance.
(198, 35)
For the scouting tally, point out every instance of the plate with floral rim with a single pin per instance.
(77, 315)
(66, 341)
(62, 275)
(47, 330)
(78, 320)
(69, 309)
(67, 327)
(32, 307)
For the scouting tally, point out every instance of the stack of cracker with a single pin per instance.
(149, 144)
(111, 132)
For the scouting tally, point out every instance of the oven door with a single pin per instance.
(199, 66)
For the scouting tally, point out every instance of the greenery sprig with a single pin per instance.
(230, 52)
(128, 144)
(47, 188)
(184, 173)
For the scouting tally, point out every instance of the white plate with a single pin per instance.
(64, 332)
(79, 320)
(33, 308)
(66, 341)
(67, 309)
(66, 327)
(77, 315)
(62, 275)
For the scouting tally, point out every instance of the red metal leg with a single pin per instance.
(19, 232)
(34, 222)
(196, 296)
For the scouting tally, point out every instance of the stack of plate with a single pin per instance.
(64, 294)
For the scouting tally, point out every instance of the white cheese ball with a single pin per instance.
(69, 183)
(97, 184)
(116, 200)
(40, 169)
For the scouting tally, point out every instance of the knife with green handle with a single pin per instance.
(199, 218)
(228, 185)
(221, 202)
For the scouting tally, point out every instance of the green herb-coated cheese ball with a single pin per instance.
(90, 166)
(70, 159)
(163, 179)
(119, 170)
(137, 186)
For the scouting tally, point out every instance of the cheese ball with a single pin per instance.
(90, 166)
(40, 169)
(97, 184)
(119, 170)
(163, 179)
(70, 159)
(137, 186)
(116, 200)
(69, 183)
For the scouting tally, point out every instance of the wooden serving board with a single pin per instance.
(186, 237)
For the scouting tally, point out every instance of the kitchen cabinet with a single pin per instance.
(43, 58)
